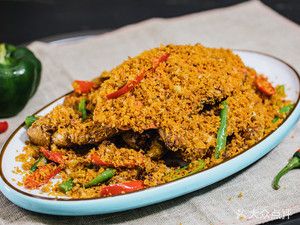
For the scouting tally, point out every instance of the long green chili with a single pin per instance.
(104, 176)
(222, 133)
(82, 108)
(293, 163)
(196, 170)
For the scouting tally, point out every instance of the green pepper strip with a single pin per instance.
(82, 108)
(67, 185)
(222, 135)
(276, 118)
(104, 176)
(198, 169)
(283, 110)
(292, 164)
(35, 165)
(30, 120)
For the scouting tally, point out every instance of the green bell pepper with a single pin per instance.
(20, 73)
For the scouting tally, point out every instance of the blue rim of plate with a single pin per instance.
(98, 198)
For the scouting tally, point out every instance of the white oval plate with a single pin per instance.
(276, 70)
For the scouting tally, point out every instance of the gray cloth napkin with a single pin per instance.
(245, 198)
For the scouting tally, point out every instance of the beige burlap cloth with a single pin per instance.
(245, 198)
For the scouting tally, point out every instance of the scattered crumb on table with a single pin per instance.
(240, 195)
(241, 218)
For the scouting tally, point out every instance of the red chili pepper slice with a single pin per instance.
(82, 87)
(133, 83)
(96, 160)
(41, 176)
(127, 87)
(122, 188)
(53, 156)
(159, 60)
(3, 126)
(264, 86)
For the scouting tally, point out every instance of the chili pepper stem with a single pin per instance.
(293, 163)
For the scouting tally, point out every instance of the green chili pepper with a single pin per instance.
(30, 120)
(20, 73)
(293, 163)
(222, 134)
(35, 165)
(276, 118)
(283, 110)
(198, 169)
(182, 168)
(67, 185)
(102, 177)
(82, 108)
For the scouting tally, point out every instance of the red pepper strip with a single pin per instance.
(159, 60)
(133, 83)
(53, 156)
(81, 86)
(96, 160)
(3, 126)
(264, 86)
(127, 87)
(122, 188)
(41, 176)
